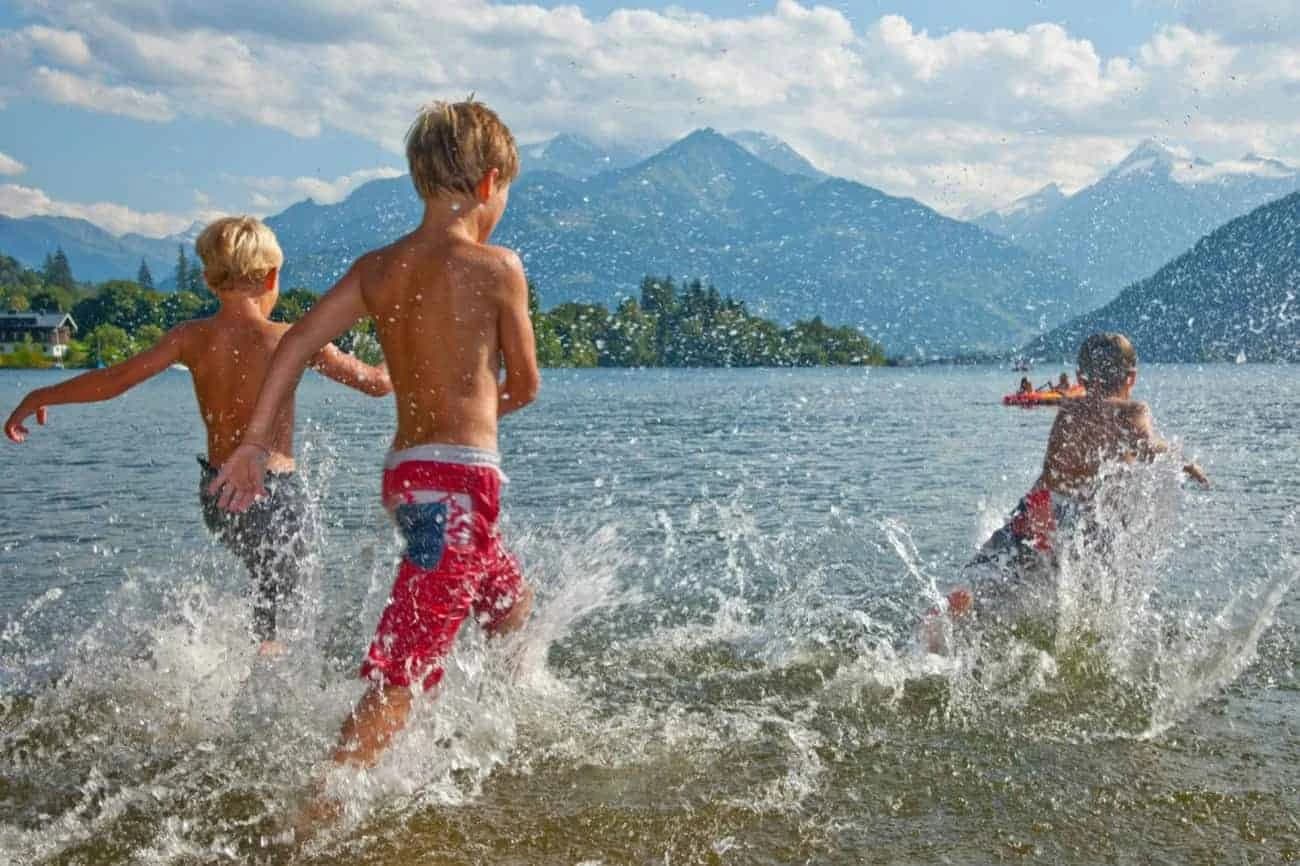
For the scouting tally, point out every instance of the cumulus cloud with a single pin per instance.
(25, 201)
(10, 166)
(270, 193)
(958, 120)
(69, 89)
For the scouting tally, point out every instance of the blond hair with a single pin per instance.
(452, 146)
(1105, 361)
(238, 249)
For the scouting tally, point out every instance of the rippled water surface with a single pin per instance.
(722, 667)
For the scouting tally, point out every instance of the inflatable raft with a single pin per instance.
(1042, 398)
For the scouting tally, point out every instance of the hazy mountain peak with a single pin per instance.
(776, 153)
(1149, 157)
(1037, 201)
(574, 156)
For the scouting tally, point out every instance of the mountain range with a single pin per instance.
(1151, 207)
(792, 245)
(95, 254)
(749, 213)
(1232, 296)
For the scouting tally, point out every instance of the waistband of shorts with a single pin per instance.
(460, 455)
(208, 470)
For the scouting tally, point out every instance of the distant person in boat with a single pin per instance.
(1105, 426)
(1026, 387)
(227, 355)
(450, 311)
(1063, 384)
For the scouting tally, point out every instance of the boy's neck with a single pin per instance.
(455, 217)
(238, 305)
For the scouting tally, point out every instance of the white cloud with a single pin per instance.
(10, 166)
(270, 193)
(66, 47)
(958, 120)
(70, 89)
(24, 201)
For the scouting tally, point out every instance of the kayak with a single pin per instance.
(1042, 398)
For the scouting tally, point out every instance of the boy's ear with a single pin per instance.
(487, 185)
(271, 280)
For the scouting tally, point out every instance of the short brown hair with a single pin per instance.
(452, 145)
(1105, 361)
(238, 249)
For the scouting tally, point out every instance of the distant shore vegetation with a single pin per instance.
(668, 325)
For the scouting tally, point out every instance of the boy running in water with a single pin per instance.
(449, 311)
(1105, 426)
(227, 354)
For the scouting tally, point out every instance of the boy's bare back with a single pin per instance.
(446, 310)
(1090, 432)
(228, 358)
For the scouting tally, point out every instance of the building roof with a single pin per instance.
(36, 320)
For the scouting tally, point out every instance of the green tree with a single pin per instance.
(630, 340)
(144, 276)
(181, 306)
(182, 269)
(18, 303)
(57, 271)
(194, 281)
(108, 344)
(146, 337)
(122, 303)
(50, 300)
(294, 304)
(27, 355)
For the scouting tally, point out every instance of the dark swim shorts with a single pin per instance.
(1023, 553)
(269, 538)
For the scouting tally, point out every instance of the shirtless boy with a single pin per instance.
(449, 311)
(1103, 427)
(227, 355)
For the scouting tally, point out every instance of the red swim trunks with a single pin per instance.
(446, 500)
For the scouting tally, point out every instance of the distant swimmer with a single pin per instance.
(1101, 428)
(450, 311)
(227, 354)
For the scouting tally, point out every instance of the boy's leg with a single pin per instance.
(379, 716)
(505, 599)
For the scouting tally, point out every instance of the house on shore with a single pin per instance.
(51, 332)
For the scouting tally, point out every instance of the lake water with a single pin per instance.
(722, 666)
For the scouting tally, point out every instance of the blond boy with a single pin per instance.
(227, 355)
(450, 311)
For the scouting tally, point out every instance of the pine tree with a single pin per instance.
(144, 277)
(182, 269)
(196, 284)
(57, 271)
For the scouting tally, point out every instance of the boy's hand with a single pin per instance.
(239, 483)
(14, 428)
(1197, 473)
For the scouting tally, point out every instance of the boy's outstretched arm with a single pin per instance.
(97, 385)
(239, 483)
(1153, 443)
(518, 345)
(350, 370)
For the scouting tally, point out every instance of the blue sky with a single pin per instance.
(145, 114)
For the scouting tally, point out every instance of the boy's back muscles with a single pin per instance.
(442, 311)
(228, 360)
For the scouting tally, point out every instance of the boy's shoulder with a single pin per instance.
(481, 261)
